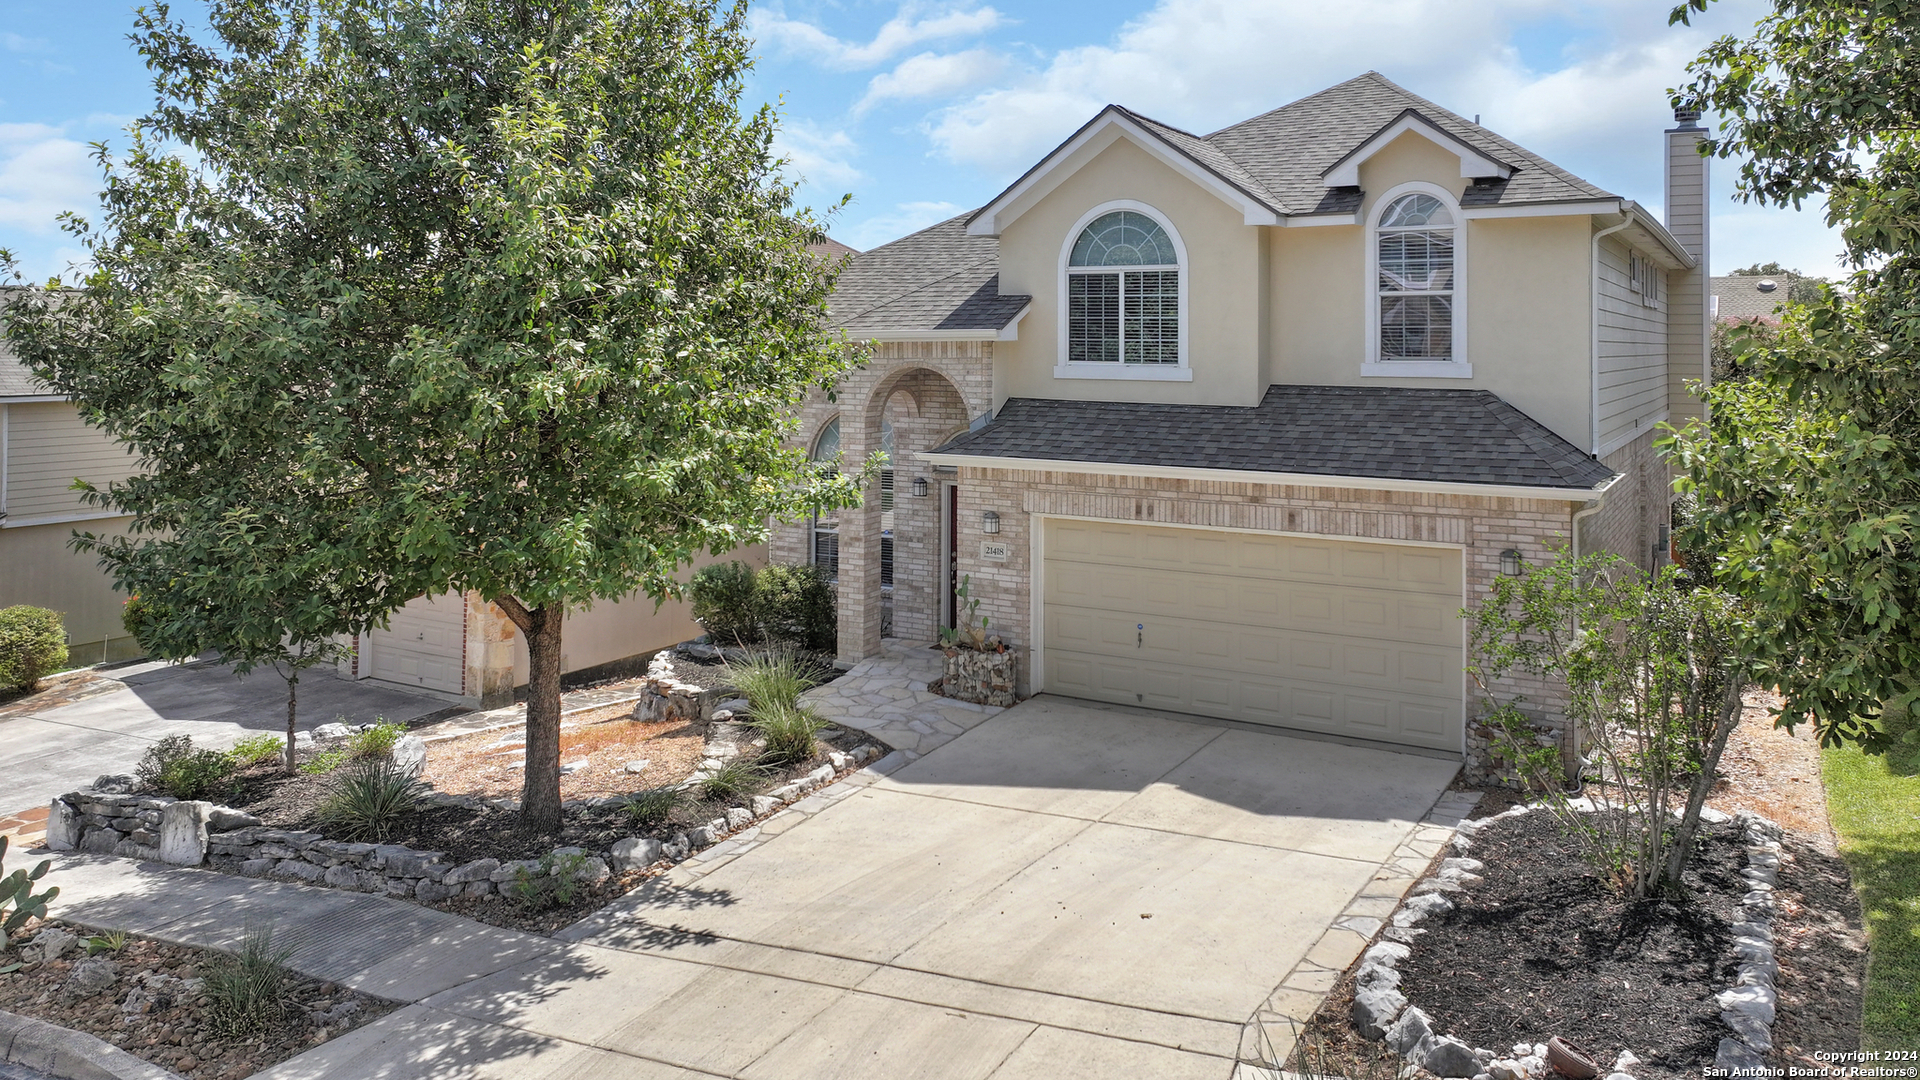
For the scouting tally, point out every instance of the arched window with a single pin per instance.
(826, 445)
(1416, 282)
(1123, 292)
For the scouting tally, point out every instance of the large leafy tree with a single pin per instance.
(1809, 473)
(503, 295)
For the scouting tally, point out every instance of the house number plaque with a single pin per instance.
(993, 550)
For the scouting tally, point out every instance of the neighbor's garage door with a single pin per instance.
(1342, 637)
(424, 645)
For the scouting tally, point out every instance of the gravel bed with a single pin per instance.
(146, 1000)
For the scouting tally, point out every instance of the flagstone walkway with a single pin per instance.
(886, 696)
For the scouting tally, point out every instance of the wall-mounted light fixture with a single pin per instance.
(990, 522)
(1510, 562)
(919, 487)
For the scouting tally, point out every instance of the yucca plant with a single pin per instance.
(791, 731)
(248, 991)
(772, 678)
(369, 799)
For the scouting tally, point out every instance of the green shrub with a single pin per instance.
(255, 749)
(369, 799)
(32, 644)
(735, 778)
(322, 762)
(772, 678)
(172, 766)
(555, 884)
(654, 805)
(376, 741)
(792, 733)
(248, 992)
(796, 605)
(724, 602)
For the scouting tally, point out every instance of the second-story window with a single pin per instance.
(1123, 292)
(1416, 282)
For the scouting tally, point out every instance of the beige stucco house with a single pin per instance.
(1235, 425)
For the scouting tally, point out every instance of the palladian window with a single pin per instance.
(1416, 282)
(1123, 292)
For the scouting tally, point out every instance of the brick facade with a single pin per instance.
(930, 391)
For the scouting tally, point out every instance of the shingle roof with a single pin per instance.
(1289, 149)
(1739, 296)
(942, 279)
(1446, 436)
(936, 279)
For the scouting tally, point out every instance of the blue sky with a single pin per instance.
(922, 109)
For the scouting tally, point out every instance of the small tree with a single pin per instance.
(221, 577)
(506, 296)
(1654, 681)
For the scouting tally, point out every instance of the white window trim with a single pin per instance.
(1100, 369)
(1457, 368)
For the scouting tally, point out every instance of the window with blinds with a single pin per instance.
(1123, 292)
(1416, 281)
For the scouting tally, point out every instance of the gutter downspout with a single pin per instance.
(1593, 401)
(1572, 753)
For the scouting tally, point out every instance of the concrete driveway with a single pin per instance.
(1067, 890)
(51, 749)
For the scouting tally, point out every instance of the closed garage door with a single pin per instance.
(424, 645)
(1348, 638)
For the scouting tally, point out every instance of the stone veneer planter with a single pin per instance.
(984, 678)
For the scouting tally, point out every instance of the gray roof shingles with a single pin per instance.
(1447, 436)
(1740, 297)
(936, 279)
(940, 278)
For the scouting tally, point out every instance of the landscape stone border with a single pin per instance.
(69, 1055)
(108, 819)
(1748, 1008)
(1380, 1012)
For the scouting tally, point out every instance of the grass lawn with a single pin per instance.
(1875, 804)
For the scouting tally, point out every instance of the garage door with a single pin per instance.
(1347, 638)
(424, 645)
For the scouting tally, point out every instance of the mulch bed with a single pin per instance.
(1543, 947)
(1558, 953)
(152, 1012)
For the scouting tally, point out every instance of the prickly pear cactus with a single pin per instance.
(18, 902)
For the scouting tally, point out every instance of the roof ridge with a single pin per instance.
(1296, 101)
(917, 232)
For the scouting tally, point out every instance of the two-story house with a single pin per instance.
(1235, 425)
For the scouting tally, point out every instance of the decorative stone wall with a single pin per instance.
(152, 827)
(664, 697)
(984, 678)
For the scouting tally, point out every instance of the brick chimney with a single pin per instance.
(1689, 314)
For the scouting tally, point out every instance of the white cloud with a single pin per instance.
(931, 75)
(16, 43)
(42, 174)
(907, 217)
(1747, 234)
(900, 33)
(818, 157)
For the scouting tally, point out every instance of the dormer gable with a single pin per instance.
(1185, 153)
(1474, 163)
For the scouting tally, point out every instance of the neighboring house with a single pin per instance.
(1750, 298)
(462, 647)
(44, 446)
(1235, 425)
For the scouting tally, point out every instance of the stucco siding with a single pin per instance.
(1224, 280)
(1631, 338)
(46, 447)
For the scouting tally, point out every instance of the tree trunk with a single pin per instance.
(540, 795)
(293, 691)
(1731, 707)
